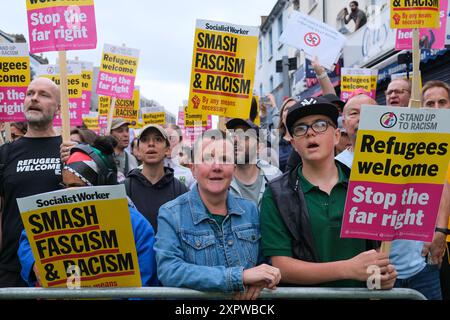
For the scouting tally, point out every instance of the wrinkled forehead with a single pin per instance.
(215, 147)
(398, 84)
(44, 84)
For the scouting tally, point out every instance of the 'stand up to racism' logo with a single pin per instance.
(388, 120)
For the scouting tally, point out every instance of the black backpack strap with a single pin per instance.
(127, 165)
(4, 150)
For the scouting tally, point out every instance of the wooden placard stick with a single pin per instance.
(416, 91)
(63, 87)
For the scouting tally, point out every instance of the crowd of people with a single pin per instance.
(216, 216)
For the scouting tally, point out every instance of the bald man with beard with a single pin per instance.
(32, 165)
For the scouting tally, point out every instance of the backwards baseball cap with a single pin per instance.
(311, 106)
(157, 128)
(118, 122)
(334, 99)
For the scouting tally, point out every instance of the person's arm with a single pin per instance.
(310, 273)
(358, 22)
(322, 77)
(437, 247)
(175, 271)
(345, 16)
(144, 238)
(26, 260)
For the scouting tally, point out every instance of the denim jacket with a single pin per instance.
(193, 251)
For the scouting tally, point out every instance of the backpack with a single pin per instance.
(177, 187)
(4, 150)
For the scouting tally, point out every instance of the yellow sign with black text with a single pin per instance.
(82, 234)
(412, 14)
(223, 68)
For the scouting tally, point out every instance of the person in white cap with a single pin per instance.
(154, 184)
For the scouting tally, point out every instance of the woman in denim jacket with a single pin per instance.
(208, 239)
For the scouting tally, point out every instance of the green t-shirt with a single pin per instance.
(219, 218)
(325, 217)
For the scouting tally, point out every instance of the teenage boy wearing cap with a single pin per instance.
(302, 210)
(252, 174)
(155, 184)
(125, 161)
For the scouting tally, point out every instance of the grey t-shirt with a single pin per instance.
(251, 191)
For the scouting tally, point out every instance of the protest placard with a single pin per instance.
(14, 80)
(400, 165)
(314, 37)
(61, 25)
(429, 38)
(153, 115)
(196, 119)
(191, 133)
(91, 122)
(127, 109)
(223, 69)
(88, 228)
(414, 14)
(117, 71)
(87, 75)
(74, 89)
(358, 78)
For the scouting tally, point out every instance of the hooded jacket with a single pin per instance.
(148, 197)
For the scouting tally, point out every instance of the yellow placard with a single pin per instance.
(74, 236)
(398, 157)
(37, 4)
(351, 83)
(14, 71)
(412, 14)
(86, 80)
(128, 109)
(104, 103)
(154, 118)
(223, 68)
(195, 119)
(91, 122)
(74, 86)
(119, 64)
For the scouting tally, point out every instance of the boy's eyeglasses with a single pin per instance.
(318, 127)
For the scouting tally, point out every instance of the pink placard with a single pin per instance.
(385, 212)
(75, 113)
(86, 101)
(115, 85)
(12, 103)
(429, 38)
(62, 28)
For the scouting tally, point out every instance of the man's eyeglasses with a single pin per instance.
(396, 91)
(318, 127)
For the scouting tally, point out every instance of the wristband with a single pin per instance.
(443, 230)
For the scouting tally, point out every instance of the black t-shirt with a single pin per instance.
(33, 166)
